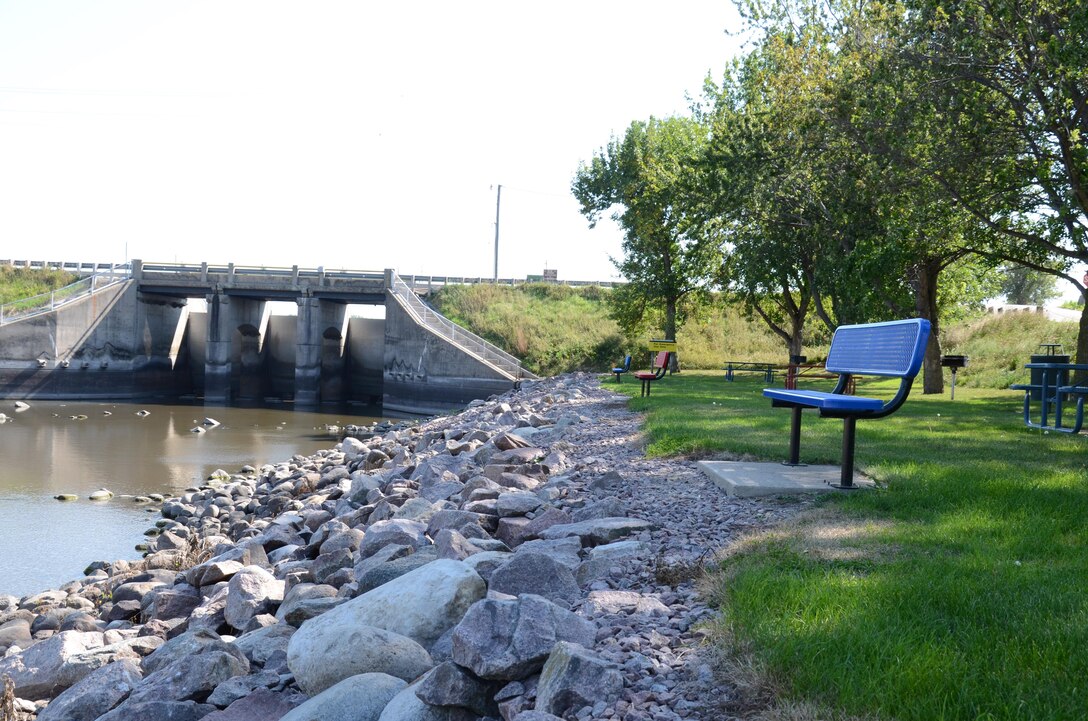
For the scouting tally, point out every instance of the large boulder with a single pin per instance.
(83, 663)
(511, 639)
(401, 531)
(300, 594)
(623, 602)
(251, 591)
(261, 705)
(538, 574)
(191, 678)
(422, 604)
(573, 678)
(259, 645)
(378, 575)
(357, 698)
(188, 644)
(95, 695)
(212, 572)
(407, 706)
(159, 711)
(598, 531)
(564, 550)
(451, 685)
(42, 670)
(326, 651)
(15, 632)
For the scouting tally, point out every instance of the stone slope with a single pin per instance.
(507, 562)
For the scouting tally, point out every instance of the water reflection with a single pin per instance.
(74, 447)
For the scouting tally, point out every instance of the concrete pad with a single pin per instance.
(747, 479)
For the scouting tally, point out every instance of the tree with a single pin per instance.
(1010, 80)
(642, 179)
(887, 229)
(1026, 286)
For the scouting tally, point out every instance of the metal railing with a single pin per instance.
(105, 277)
(433, 282)
(231, 273)
(446, 328)
(80, 267)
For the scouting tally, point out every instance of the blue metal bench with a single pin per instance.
(893, 349)
(618, 370)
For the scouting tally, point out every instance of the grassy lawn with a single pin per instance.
(958, 590)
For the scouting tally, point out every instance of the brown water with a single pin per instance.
(45, 452)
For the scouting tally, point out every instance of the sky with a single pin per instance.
(351, 135)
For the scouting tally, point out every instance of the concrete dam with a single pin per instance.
(131, 334)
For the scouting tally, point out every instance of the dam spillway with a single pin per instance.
(140, 336)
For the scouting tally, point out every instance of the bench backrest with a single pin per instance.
(894, 348)
(661, 360)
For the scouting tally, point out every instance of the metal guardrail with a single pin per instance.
(446, 328)
(232, 273)
(431, 282)
(203, 270)
(105, 277)
(83, 268)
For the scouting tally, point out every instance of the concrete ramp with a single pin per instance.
(432, 364)
(748, 479)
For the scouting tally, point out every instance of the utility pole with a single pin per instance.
(498, 201)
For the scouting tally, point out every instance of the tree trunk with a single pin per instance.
(1081, 377)
(925, 302)
(670, 331)
(797, 334)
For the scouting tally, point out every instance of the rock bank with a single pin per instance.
(514, 561)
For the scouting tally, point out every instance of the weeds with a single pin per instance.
(7, 701)
(674, 573)
(197, 551)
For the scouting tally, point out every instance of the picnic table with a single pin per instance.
(1050, 391)
(764, 369)
(812, 370)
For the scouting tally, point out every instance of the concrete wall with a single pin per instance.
(423, 373)
(114, 344)
(124, 344)
(366, 354)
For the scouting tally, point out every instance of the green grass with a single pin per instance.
(557, 329)
(999, 345)
(21, 283)
(955, 591)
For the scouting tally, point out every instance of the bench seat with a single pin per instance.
(825, 401)
(661, 364)
(893, 349)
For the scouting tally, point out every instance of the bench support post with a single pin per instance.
(846, 480)
(795, 437)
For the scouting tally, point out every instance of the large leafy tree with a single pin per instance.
(1026, 286)
(880, 233)
(642, 179)
(1009, 82)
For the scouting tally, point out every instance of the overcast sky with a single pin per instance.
(343, 134)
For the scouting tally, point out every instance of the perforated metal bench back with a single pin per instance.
(894, 348)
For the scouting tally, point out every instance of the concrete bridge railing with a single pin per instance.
(231, 273)
(102, 277)
(446, 328)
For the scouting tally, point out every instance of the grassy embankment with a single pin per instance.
(556, 329)
(20, 283)
(955, 591)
